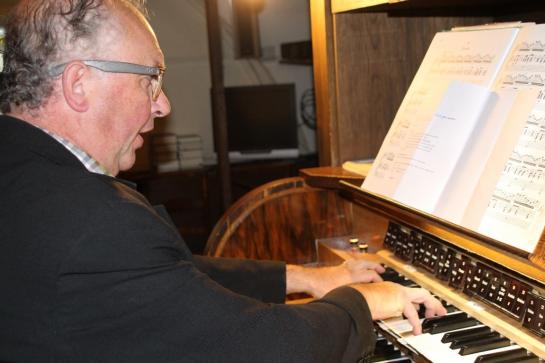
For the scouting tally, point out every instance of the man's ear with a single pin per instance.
(74, 86)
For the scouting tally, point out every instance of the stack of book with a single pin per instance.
(171, 152)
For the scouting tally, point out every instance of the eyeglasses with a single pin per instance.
(156, 73)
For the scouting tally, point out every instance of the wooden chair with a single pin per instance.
(280, 221)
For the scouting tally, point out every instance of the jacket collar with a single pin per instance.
(25, 135)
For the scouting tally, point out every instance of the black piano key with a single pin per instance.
(390, 275)
(385, 351)
(389, 271)
(527, 359)
(482, 345)
(429, 322)
(393, 276)
(421, 312)
(386, 355)
(383, 348)
(454, 325)
(468, 340)
(500, 356)
(460, 334)
(446, 305)
(450, 308)
(382, 343)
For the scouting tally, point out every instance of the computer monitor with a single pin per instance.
(261, 121)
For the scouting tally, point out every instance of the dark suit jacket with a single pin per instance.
(89, 271)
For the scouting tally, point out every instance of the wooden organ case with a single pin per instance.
(365, 54)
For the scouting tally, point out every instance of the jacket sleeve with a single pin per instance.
(262, 280)
(126, 293)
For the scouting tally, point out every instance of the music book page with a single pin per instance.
(438, 151)
(471, 185)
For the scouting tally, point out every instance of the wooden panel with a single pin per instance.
(538, 257)
(391, 5)
(329, 176)
(346, 5)
(377, 56)
(324, 79)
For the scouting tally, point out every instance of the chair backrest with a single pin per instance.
(280, 220)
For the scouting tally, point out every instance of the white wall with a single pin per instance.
(181, 28)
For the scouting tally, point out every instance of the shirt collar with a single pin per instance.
(87, 160)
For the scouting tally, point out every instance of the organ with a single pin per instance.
(365, 54)
(322, 217)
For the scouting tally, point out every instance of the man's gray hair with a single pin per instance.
(38, 33)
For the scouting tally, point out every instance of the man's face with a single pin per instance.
(125, 104)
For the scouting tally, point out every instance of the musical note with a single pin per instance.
(514, 208)
(519, 195)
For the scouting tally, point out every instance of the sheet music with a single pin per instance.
(469, 188)
(466, 198)
(525, 66)
(516, 211)
(473, 57)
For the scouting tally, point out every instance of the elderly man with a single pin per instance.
(89, 270)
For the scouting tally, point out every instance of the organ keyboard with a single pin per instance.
(494, 316)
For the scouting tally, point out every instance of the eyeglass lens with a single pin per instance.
(157, 83)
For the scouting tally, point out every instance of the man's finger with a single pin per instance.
(422, 296)
(434, 308)
(412, 316)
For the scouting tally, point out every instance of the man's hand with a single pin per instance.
(387, 299)
(318, 281)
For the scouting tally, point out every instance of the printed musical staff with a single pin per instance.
(519, 195)
(531, 46)
(514, 208)
(526, 66)
(524, 79)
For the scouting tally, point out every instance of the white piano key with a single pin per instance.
(430, 345)
(400, 359)
(401, 326)
(433, 349)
